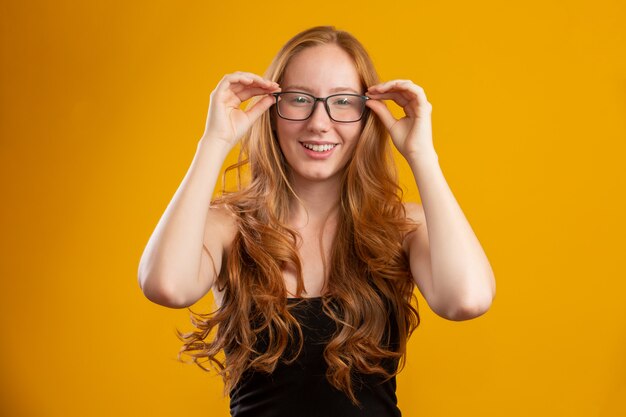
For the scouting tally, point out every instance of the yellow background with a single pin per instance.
(102, 105)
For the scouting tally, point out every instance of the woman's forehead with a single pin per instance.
(325, 67)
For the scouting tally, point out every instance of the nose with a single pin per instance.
(320, 119)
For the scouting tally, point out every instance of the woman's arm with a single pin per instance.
(175, 269)
(447, 261)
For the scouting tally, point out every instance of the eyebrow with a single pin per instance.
(332, 90)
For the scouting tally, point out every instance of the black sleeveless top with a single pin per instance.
(301, 388)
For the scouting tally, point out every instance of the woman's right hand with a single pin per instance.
(226, 121)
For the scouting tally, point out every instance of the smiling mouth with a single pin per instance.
(319, 148)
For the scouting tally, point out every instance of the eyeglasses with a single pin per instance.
(297, 106)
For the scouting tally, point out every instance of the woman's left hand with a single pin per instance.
(412, 134)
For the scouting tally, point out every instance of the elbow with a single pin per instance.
(468, 308)
(159, 290)
(155, 291)
(467, 311)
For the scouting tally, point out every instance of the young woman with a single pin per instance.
(313, 261)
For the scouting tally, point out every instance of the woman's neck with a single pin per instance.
(317, 201)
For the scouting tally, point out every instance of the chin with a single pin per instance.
(317, 175)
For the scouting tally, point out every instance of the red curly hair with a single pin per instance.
(368, 272)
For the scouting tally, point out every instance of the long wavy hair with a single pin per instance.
(368, 275)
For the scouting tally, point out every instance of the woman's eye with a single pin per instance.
(301, 100)
(343, 101)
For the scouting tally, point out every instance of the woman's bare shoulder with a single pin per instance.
(219, 235)
(415, 212)
(221, 222)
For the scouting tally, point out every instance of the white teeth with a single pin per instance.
(319, 148)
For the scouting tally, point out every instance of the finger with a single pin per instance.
(240, 83)
(383, 113)
(259, 107)
(371, 88)
(239, 87)
(408, 87)
(382, 87)
(240, 75)
(407, 101)
(240, 80)
(399, 97)
(248, 93)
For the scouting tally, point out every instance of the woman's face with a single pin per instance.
(319, 71)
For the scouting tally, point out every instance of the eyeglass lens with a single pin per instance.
(342, 107)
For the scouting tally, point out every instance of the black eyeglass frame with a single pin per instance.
(325, 101)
